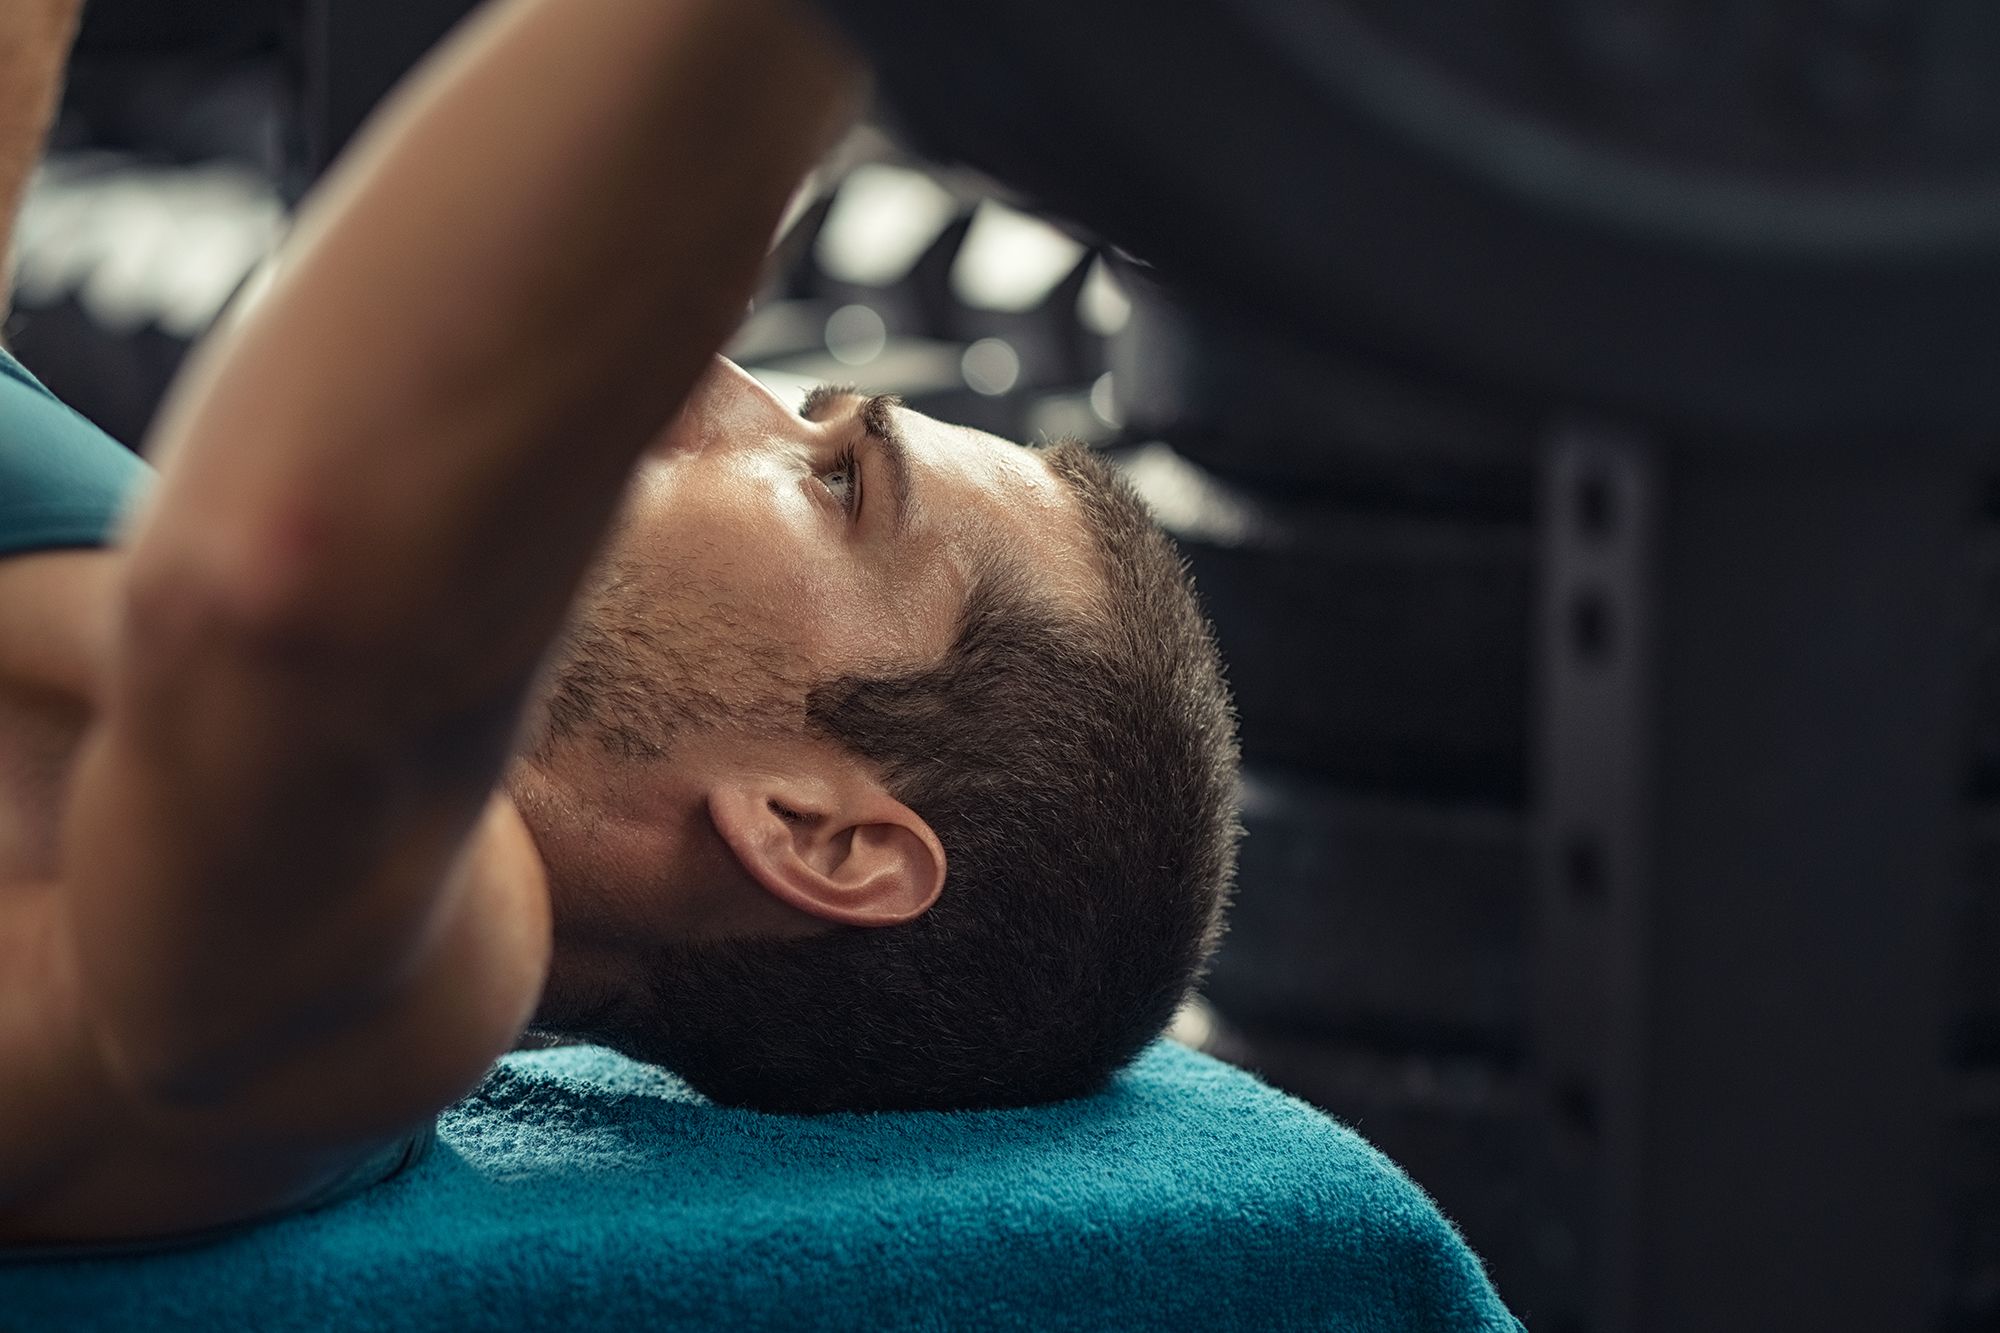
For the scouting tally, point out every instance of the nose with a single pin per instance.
(726, 377)
(727, 405)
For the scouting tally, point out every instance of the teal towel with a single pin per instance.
(580, 1190)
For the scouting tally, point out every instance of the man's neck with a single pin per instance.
(633, 866)
(587, 965)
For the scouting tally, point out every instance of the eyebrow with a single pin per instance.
(876, 421)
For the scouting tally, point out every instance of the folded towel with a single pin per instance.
(580, 1190)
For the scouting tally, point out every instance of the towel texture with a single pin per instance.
(580, 1190)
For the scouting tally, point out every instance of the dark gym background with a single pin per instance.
(1618, 696)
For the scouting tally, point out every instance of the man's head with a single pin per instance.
(887, 764)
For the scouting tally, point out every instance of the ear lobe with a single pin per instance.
(844, 852)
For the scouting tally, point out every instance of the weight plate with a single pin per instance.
(1354, 182)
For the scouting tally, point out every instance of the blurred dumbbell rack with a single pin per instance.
(1367, 544)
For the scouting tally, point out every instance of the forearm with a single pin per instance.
(415, 440)
(35, 37)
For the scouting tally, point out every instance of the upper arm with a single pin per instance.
(379, 491)
(256, 851)
(381, 488)
(87, 1152)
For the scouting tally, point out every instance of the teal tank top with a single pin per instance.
(63, 482)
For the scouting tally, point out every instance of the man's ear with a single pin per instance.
(834, 845)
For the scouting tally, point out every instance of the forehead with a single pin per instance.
(983, 497)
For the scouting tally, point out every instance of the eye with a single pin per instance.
(843, 479)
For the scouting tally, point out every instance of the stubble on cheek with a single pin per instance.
(636, 669)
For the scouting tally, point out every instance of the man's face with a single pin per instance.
(763, 549)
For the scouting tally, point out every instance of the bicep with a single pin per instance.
(257, 851)
(427, 1038)
(238, 877)
(85, 1154)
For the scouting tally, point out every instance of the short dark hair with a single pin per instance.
(1081, 775)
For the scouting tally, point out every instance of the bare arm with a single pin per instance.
(35, 37)
(379, 493)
